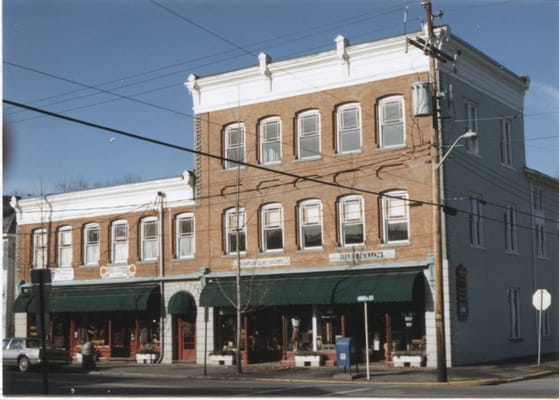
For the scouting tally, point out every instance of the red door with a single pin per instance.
(186, 340)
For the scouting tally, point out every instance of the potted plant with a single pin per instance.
(147, 353)
(307, 358)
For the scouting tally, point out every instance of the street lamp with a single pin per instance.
(468, 135)
(366, 299)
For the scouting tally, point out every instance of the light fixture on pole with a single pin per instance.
(468, 135)
(366, 299)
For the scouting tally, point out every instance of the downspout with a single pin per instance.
(162, 196)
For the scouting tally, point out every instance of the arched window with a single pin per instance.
(308, 135)
(272, 227)
(65, 246)
(184, 229)
(310, 224)
(234, 144)
(235, 231)
(395, 216)
(119, 242)
(40, 249)
(352, 221)
(392, 128)
(349, 128)
(270, 140)
(91, 244)
(149, 234)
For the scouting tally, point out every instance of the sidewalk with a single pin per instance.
(468, 375)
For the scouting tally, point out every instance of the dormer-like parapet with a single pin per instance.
(193, 88)
(263, 61)
(341, 51)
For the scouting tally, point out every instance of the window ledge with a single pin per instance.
(118, 264)
(300, 160)
(396, 244)
(512, 252)
(479, 247)
(270, 164)
(508, 166)
(145, 262)
(348, 153)
(233, 255)
(383, 149)
(311, 250)
(89, 266)
(189, 258)
(271, 252)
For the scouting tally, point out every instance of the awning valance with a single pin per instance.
(182, 303)
(95, 299)
(329, 289)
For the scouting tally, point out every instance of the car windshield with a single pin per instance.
(33, 343)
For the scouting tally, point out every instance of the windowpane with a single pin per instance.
(392, 111)
(92, 245)
(274, 239)
(396, 217)
(393, 135)
(309, 124)
(349, 129)
(120, 232)
(312, 236)
(310, 146)
(235, 136)
(353, 234)
(350, 140)
(309, 135)
(352, 210)
(271, 152)
(397, 231)
(352, 221)
(271, 130)
(234, 145)
(231, 227)
(150, 229)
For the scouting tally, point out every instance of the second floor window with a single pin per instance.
(91, 244)
(391, 120)
(349, 128)
(270, 141)
(185, 236)
(506, 143)
(119, 237)
(310, 224)
(470, 120)
(511, 241)
(65, 246)
(40, 249)
(150, 239)
(234, 145)
(235, 230)
(476, 221)
(272, 227)
(513, 310)
(352, 221)
(308, 134)
(396, 217)
(541, 247)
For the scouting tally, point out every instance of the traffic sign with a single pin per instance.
(541, 299)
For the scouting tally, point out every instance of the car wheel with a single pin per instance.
(23, 364)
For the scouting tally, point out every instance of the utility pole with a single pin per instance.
(437, 219)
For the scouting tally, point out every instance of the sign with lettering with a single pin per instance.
(117, 271)
(62, 274)
(359, 256)
(264, 262)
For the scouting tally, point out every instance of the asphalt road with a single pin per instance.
(63, 382)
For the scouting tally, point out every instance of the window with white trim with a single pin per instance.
(511, 236)
(149, 233)
(391, 119)
(234, 145)
(539, 220)
(119, 242)
(352, 221)
(65, 246)
(476, 221)
(541, 247)
(471, 124)
(308, 135)
(310, 224)
(91, 244)
(395, 215)
(270, 140)
(272, 227)
(235, 230)
(513, 310)
(40, 249)
(349, 128)
(506, 143)
(185, 235)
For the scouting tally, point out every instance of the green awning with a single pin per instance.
(328, 289)
(95, 299)
(182, 303)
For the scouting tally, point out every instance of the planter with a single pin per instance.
(408, 360)
(218, 359)
(307, 361)
(147, 358)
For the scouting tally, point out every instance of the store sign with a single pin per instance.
(117, 271)
(264, 262)
(362, 256)
(62, 274)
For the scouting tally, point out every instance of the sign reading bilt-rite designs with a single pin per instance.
(362, 256)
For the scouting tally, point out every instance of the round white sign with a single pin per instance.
(541, 299)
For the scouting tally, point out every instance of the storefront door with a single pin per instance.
(186, 340)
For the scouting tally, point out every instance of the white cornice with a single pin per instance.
(351, 65)
(114, 200)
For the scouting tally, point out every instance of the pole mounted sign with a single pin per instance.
(541, 300)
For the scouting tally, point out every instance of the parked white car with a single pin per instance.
(27, 352)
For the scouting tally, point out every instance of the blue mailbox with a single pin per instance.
(344, 356)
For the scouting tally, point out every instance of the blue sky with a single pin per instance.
(138, 54)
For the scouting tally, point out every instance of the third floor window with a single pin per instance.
(234, 145)
(349, 128)
(270, 141)
(308, 135)
(391, 120)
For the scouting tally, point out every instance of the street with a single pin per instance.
(70, 382)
